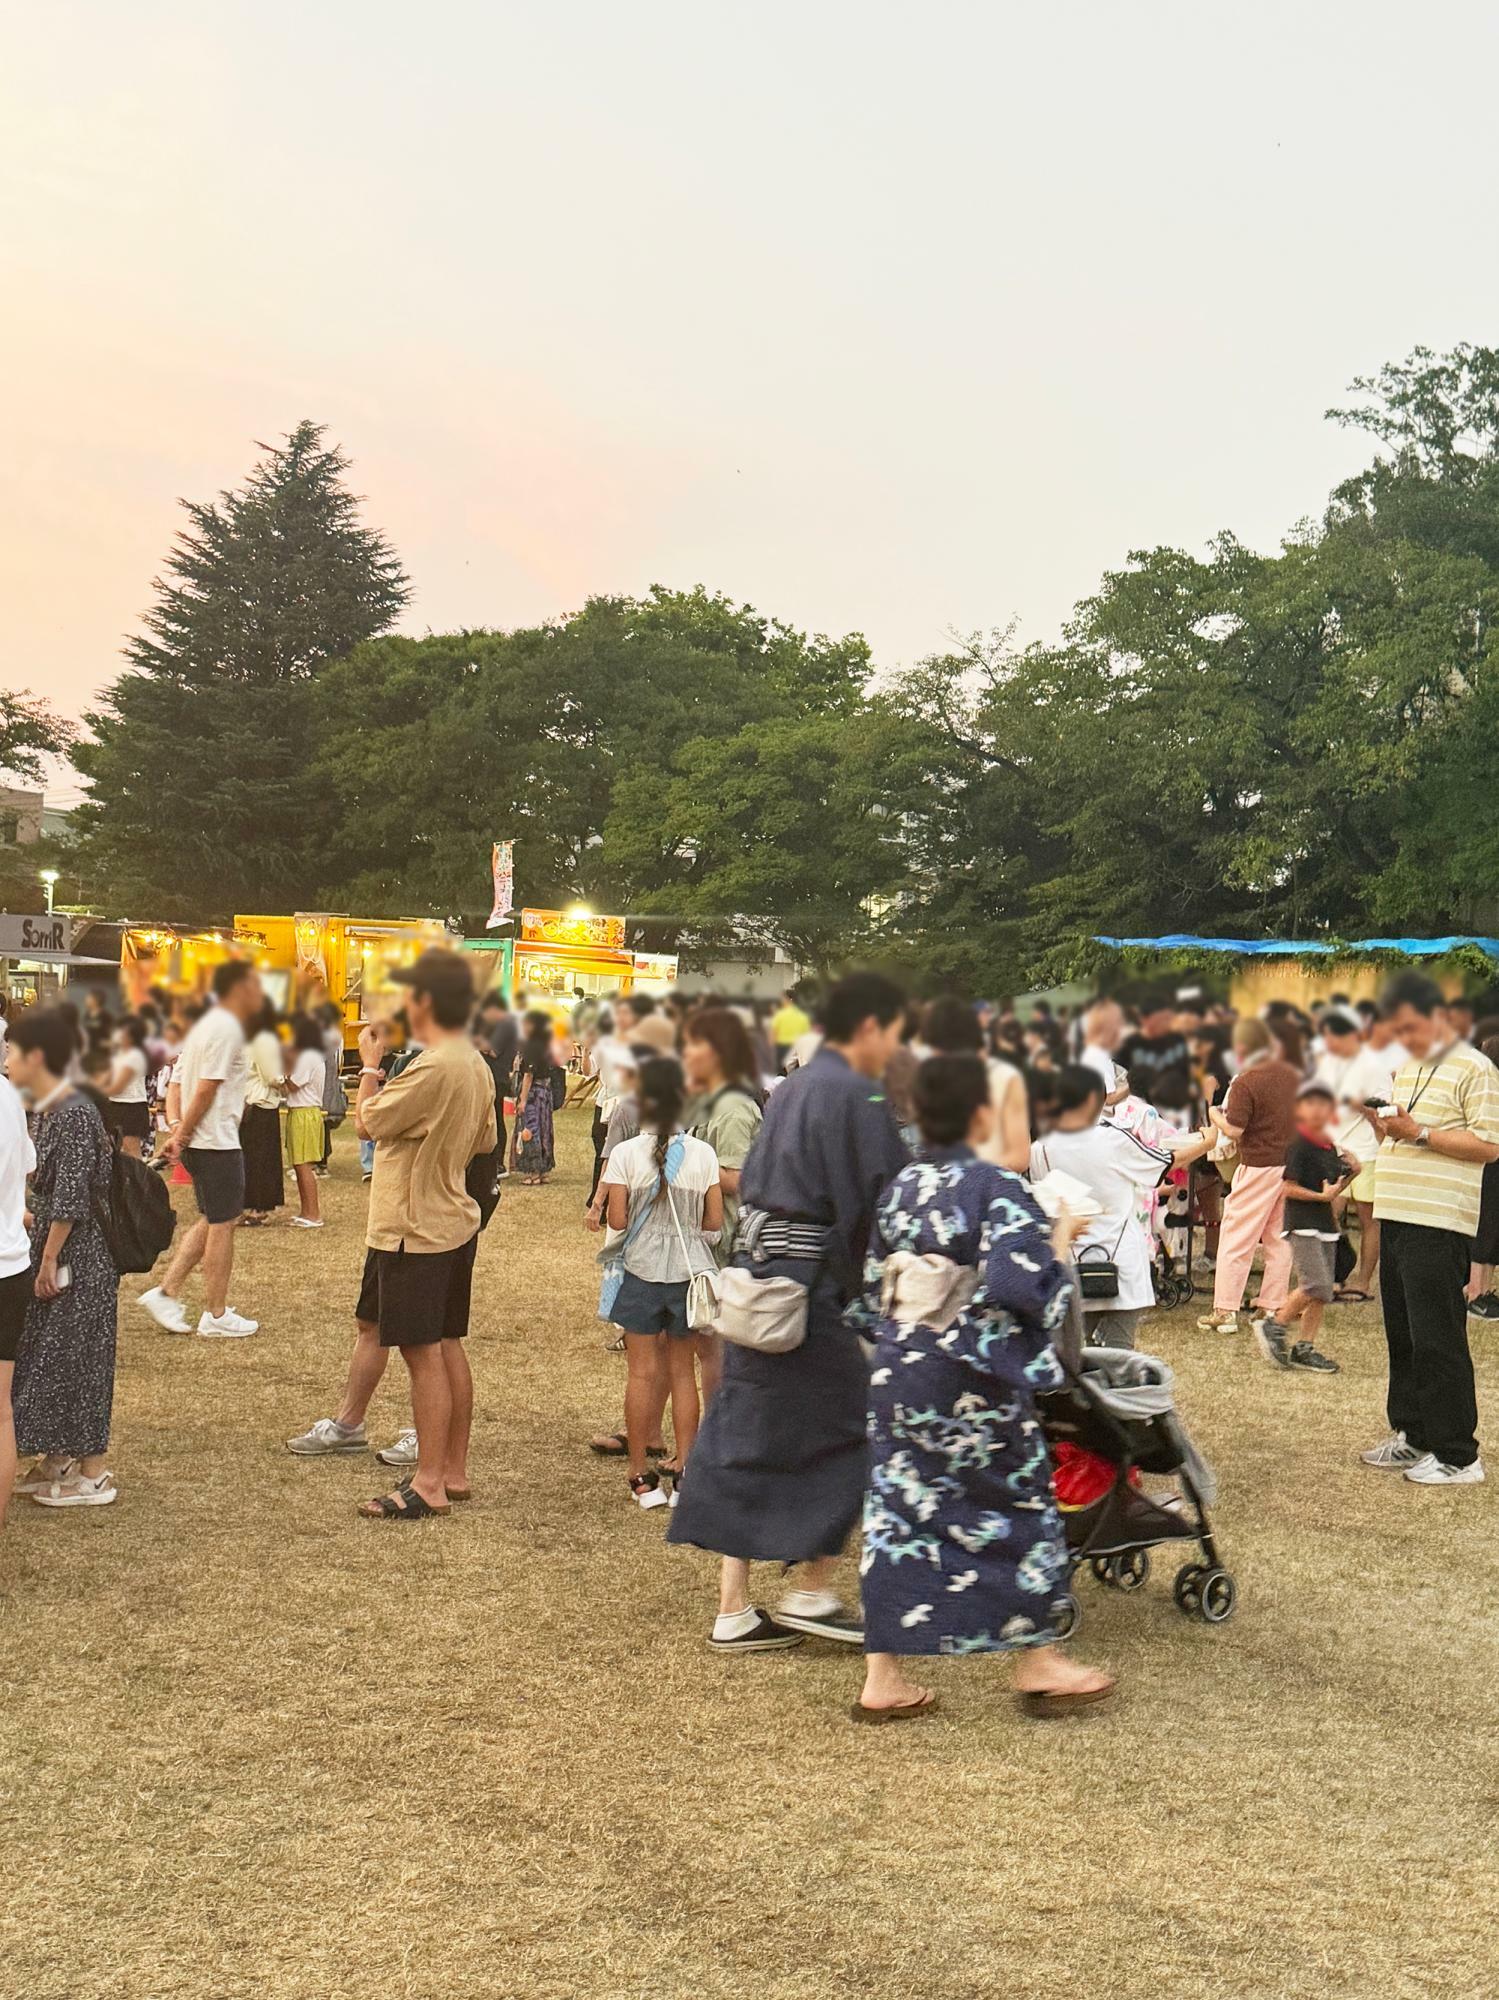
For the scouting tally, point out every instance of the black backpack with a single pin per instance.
(137, 1218)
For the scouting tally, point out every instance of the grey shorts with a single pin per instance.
(1315, 1261)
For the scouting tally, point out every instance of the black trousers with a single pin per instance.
(1422, 1273)
(600, 1134)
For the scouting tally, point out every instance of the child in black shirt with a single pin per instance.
(1317, 1177)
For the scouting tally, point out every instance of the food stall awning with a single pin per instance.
(56, 958)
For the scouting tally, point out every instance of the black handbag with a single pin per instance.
(1097, 1272)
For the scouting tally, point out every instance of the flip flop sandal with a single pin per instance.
(1354, 1298)
(1059, 1701)
(405, 1504)
(904, 1711)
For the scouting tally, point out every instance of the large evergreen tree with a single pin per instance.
(198, 771)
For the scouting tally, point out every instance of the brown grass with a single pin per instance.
(255, 1746)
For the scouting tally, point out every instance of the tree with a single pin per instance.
(782, 833)
(31, 730)
(198, 771)
(432, 748)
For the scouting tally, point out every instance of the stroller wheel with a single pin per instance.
(1218, 1595)
(1122, 1572)
(1131, 1570)
(1187, 1589)
(1066, 1616)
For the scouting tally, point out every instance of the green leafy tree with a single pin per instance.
(432, 748)
(199, 794)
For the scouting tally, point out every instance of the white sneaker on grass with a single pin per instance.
(37, 1479)
(1430, 1471)
(1393, 1454)
(402, 1452)
(168, 1313)
(304, 1222)
(327, 1438)
(227, 1325)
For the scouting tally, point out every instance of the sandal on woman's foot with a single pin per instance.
(902, 1711)
(37, 1479)
(1354, 1297)
(405, 1504)
(460, 1492)
(1062, 1701)
(77, 1490)
(614, 1444)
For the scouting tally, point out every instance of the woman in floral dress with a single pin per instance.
(965, 1294)
(65, 1369)
(535, 1152)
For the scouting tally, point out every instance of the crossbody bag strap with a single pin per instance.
(677, 1220)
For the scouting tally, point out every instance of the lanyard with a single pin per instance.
(1422, 1082)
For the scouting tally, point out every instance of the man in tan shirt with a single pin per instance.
(428, 1123)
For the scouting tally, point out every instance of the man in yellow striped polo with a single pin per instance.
(1439, 1134)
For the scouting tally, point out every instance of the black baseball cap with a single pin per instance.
(444, 975)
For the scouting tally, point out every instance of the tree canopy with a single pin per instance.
(1219, 741)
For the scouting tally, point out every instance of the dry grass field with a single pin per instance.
(254, 1746)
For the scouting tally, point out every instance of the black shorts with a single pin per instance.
(131, 1121)
(218, 1181)
(15, 1297)
(417, 1297)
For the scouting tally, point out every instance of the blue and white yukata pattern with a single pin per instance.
(963, 1545)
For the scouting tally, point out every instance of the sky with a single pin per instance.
(890, 318)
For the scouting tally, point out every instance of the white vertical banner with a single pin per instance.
(502, 866)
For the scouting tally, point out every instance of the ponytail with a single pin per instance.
(661, 1101)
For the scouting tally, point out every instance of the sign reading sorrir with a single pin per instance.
(21, 937)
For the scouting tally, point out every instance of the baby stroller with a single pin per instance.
(1172, 1269)
(1115, 1417)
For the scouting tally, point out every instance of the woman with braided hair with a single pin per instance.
(662, 1190)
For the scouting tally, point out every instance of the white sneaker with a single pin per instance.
(167, 1313)
(1393, 1454)
(1216, 1322)
(1430, 1471)
(227, 1325)
(402, 1452)
(76, 1491)
(304, 1222)
(327, 1438)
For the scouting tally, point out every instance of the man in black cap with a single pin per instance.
(423, 1226)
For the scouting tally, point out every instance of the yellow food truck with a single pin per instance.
(318, 955)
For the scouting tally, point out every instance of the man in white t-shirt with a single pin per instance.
(1103, 1031)
(17, 1158)
(209, 1089)
(1354, 1071)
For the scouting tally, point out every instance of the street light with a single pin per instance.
(49, 879)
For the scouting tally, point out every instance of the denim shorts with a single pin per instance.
(641, 1307)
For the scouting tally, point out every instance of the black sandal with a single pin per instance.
(405, 1504)
(616, 1445)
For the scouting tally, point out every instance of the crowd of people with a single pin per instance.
(846, 1249)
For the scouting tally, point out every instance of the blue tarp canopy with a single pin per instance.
(1292, 948)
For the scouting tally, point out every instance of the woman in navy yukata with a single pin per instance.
(965, 1295)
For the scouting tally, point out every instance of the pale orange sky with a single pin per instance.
(880, 317)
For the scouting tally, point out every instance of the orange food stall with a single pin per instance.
(560, 954)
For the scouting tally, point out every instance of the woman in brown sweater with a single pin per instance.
(1259, 1116)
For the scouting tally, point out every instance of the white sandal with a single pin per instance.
(80, 1492)
(37, 1479)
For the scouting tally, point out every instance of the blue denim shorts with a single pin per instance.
(641, 1307)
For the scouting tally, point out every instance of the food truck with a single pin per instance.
(318, 955)
(560, 954)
